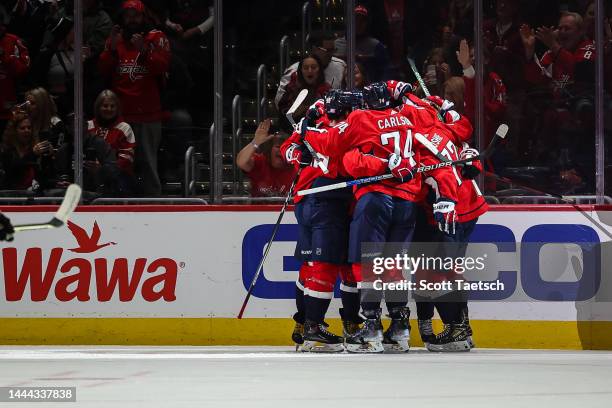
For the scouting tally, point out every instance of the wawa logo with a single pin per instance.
(110, 275)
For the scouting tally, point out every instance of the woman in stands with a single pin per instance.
(309, 75)
(43, 113)
(109, 126)
(26, 162)
(261, 160)
(361, 77)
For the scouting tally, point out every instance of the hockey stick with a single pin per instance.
(69, 203)
(296, 104)
(416, 73)
(500, 134)
(564, 199)
(265, 255)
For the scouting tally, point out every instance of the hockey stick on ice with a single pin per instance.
(500, 134)
(265, 255)
(71, 200)
(296, 104)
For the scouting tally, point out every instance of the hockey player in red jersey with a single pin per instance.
(457, 332)
(322, 246)
(371, 141)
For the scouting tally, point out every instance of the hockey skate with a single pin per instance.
(397, 337)
(318, 340)
(454, 338)
(298, 335)
(426, 331)
(369, 338)
(349, 326)
(466, 320)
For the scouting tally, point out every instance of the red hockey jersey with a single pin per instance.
(367, 138)
(310, 174)
(121, 138)
(137, 77)
(559, 69)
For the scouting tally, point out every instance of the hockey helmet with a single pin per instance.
(376, 96)
(339, 102)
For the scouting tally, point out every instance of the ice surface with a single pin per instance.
(273, 377)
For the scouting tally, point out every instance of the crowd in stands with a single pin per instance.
(138, 63)
(539, 76)
(148, 66)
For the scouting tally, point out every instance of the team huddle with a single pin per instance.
(383, 129)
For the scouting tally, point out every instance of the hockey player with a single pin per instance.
(457, 332)
(6, 228)
(324, 220)
(448, 135)
(373, 141)
(457, 335)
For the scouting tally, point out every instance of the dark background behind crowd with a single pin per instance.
(148, 94)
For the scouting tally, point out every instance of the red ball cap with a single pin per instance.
(133, 4)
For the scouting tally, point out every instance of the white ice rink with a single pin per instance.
(167, 377)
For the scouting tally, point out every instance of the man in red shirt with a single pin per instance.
(137, 58)
(568, 52)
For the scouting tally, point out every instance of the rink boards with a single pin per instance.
(169, 275)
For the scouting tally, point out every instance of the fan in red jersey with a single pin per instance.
(136, 59)
(109, 125)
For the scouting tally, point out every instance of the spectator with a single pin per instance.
(503, 44)
(101, 173)
(30, 21)
(261, 160)
(14, 64)
(191, 19)
(569, 53)
(310, 76)
(26, 162)
(361, 78)
(43, 115)
(369, 51)
(494, 92)
(437, 71)
(59, 72)
(322, 46)
(109, 126)
(136, 58)
(391, 23)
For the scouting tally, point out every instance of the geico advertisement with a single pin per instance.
(199, 264)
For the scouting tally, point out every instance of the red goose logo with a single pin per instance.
(87, 243)
(52, 277)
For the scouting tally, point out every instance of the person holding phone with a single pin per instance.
(26, 162)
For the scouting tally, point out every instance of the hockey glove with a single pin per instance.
(398, 90)
(445, 107)
(401, 168)
(6, 229)
(472, 168)
(298, 155)
(315, 111)
(444, 214)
